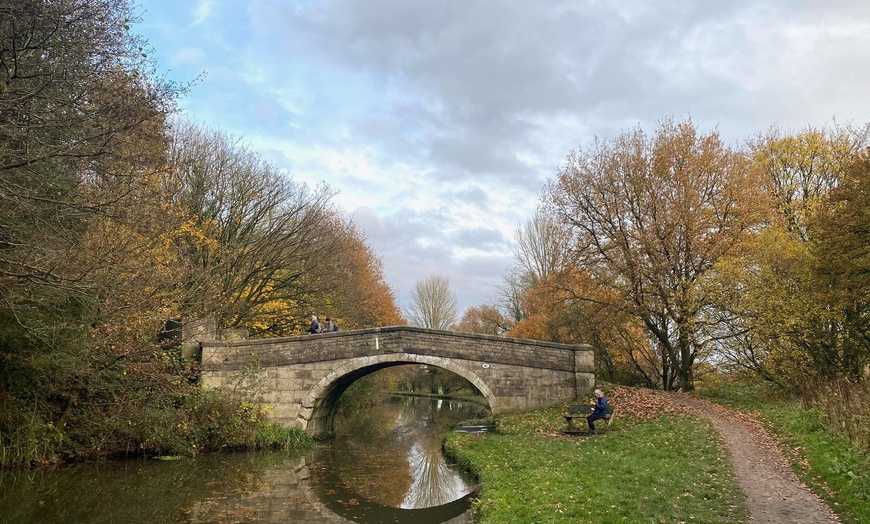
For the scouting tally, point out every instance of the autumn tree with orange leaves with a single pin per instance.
(82, 271)
(485, 319)
(354, 291)
(649, 217)
(560, 303)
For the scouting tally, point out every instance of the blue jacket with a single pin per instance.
(600, 408)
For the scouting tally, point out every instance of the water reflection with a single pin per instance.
(392, 453)
(201, 490)
(434, 483)
(393, 464)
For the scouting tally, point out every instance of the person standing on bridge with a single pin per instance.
(330, 326)
(599, 410)
(315, 325)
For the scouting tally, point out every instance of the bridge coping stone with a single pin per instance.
(399, 329)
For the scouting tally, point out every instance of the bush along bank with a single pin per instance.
(199, 422)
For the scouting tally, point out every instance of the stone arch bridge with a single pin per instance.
(303, 377)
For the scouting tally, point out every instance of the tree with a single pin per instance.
(255, 239)
(542, 247)
(541, 250)
(354, 291)
(81, 142)
(800, 169)
(111, 223)
(649, 218)
(571, 308)
(840, 231)
(485, 319)
(510, 296)
(765, 306)
(433, 303)
(74, 89)
(779, 305)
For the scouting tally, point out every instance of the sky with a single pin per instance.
(438, 122)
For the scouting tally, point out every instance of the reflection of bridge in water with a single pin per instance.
(392, 452)
(303, 377)
(381, 458)
(289, 493)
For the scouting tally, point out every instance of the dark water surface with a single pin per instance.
(385, 465)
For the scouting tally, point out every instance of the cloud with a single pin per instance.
(438, 123)
(202, 11)
(483, 239)
(187, 55)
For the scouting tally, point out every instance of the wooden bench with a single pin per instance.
(582, 411)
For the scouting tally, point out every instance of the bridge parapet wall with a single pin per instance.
(398, 339)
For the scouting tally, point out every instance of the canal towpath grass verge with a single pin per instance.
(818, 449)
(661, 465)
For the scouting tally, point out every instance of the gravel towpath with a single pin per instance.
(773, 492)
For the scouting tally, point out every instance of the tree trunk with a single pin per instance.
(686, 364)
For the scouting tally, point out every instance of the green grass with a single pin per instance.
(273, 436)
(745, 397)
(820, 452)
(669, 470)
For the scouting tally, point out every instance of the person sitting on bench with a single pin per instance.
(599, 411)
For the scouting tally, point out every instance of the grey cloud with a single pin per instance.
(472, 194)
(475, 69)
(483, 238)
(402, 229)
(476, 279)
(479, 69)
(412, 249)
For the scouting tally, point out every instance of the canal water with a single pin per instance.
(384, 466)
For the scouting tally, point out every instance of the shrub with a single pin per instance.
(844, 404)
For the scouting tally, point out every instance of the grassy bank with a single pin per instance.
(668, 469)
(819, 450)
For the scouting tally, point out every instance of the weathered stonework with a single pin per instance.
(303, 377)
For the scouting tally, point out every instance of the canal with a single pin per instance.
(384, 466)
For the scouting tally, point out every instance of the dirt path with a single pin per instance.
(773, 492)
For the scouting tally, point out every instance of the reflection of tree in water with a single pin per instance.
(392, 453)
(232, 487)
(434, 482)
(369, 454)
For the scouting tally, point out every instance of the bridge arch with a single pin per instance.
(324, 396)
(303, 377)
